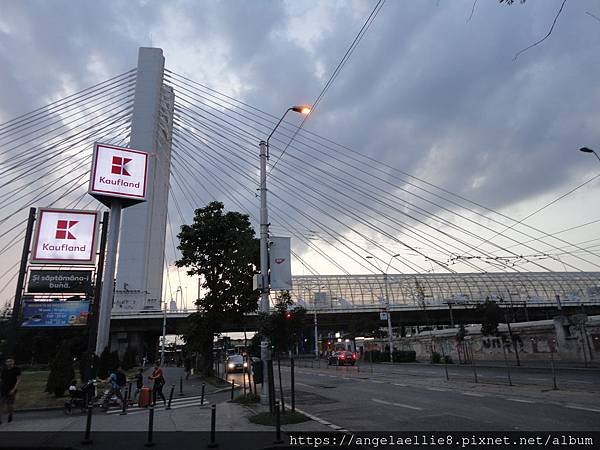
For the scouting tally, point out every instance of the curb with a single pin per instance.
(48, 408)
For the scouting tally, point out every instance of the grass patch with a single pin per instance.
(246, 399)
(30, 393)
(287, 418)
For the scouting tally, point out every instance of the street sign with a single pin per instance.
(55, 314)
(118, 172)
(382, 316)
(64, 236)
(59, 281)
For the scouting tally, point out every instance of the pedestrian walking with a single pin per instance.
(159, 381)
(9, 381)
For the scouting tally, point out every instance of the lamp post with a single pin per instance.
(387, 301)
(589, 150)
(264, 250)
(164, 335)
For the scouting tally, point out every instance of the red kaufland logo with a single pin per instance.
(119, 165)
(63, 227)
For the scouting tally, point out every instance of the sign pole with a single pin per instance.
(16, 312)
(109, 276)
(93, 324)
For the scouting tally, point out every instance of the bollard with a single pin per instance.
(170, 396)
(88, 427)
(554, 386)
(507, 365)
(446, 368)
(293, 385)
(202, 395)
(213, 419)
(124, 403)
(149, 442)
(232, 388)
(181, 394)
(244, 380)
(277, 424)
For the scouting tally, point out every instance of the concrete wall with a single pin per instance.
(569, 339)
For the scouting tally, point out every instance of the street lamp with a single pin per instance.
(589, 150)
(387, 301)
(264, 249)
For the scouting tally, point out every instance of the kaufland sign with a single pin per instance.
(66, 237)
(118, 172)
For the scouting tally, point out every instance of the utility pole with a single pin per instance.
(265, 350)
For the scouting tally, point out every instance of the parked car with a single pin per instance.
(235, 363)
(342, 358)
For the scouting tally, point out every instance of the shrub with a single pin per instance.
(61, 371)
(104, 364)
(129, 359)
(404, 355)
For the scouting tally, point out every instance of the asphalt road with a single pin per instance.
(579, 379)
(412, 397)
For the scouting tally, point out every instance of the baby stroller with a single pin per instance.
(80, 398)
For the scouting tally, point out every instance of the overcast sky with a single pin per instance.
(429, 90)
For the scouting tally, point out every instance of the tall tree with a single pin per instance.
(220, 248)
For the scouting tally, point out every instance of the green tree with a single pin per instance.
(104, 363)
(221, 249)
(129, 358)
(490, 317)
(284, 324)
(61, 371)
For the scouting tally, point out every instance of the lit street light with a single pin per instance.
(264, 250)
(387, 302)
(589, 150)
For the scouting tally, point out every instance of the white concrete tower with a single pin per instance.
(142, 243)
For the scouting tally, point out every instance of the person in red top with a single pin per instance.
(159, 381)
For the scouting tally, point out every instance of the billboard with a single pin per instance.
(118, 172)
(279, 263)
(55, 314)
(59, 281)
(64, 236)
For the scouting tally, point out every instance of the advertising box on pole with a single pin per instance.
(60, 281)
(279, 262)
(55, 314)
(66, 237)
(118, 172)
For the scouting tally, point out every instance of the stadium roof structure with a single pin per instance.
(344, 291)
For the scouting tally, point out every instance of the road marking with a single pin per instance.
(520, 400)
(302, 384)
(579, 382)
(176, 404)
(473, 394)
(401, 405)
(322, 421)
(400, 384)
(582, 408)
(376, 381)
(436, 389)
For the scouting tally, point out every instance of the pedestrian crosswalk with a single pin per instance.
(176, 403)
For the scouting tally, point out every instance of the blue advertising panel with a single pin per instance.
(55, 314)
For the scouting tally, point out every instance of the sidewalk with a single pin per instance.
(186, 425)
